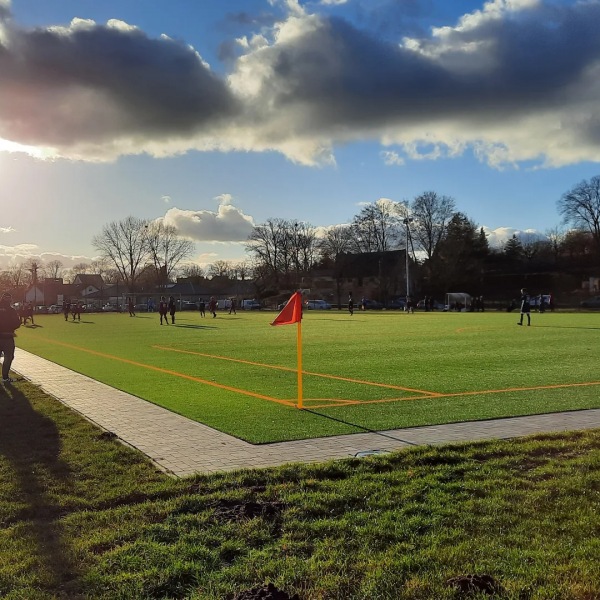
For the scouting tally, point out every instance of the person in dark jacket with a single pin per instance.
(172, 309)
(9, 323)
(525, 307)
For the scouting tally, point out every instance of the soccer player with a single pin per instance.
(525, 307)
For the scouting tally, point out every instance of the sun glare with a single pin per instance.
(8, 146)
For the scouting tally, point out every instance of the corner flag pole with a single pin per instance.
(299, 352)
(290, 314)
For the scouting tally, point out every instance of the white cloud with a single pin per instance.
(227, 224)
(392, 158)
(499, 236)
(7, 230)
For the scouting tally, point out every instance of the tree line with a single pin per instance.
(445, 247)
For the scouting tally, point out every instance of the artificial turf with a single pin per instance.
(374, 370)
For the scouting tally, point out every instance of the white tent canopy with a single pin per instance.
(461, 298)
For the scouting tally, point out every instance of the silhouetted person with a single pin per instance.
(66, 308)
(9, 323)
(525, 307)
(172, 309)
(163, 310)
(212, 307)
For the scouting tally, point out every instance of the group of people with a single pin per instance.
(26, 313)
(167, 308)
(72, 308)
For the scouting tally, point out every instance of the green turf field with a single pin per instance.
(372, 371)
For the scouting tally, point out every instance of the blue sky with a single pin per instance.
(215, 115)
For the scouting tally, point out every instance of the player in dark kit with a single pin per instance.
(525, 307)
(163, 309)
(9, 322)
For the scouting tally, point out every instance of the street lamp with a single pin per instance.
(407, 222)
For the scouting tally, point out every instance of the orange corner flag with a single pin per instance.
(292, 311)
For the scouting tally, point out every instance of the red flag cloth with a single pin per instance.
(292, 311)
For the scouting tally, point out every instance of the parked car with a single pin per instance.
(187, 305)
(109, 308)
(250, 305)
(593, 302)
(55, 309)
(317, 305)
(397, 303)
(372, 304)
(436, 305)
(143, 307)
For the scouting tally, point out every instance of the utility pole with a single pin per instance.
(407, 222)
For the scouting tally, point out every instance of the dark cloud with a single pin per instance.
(515, 81)
(104, 82)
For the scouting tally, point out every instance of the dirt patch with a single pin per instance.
(475, 584)
(266, 592)
(226, 511)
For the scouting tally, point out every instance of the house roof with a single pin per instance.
(84, 280)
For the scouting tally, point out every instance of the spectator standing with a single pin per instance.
(76, 310)
(212, 307)
(66, 309)
(350, 304)
(202, 306)
(172, 309)
(525, 307)
(9, 323)
(131, 307)
(163, 310)
(232, 306)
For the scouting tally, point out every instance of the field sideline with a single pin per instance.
(372, 371)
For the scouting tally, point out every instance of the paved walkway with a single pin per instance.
(183, 447)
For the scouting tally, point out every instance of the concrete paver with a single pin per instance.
(183, 447)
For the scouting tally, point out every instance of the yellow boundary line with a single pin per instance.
(281, 368)
(424, 394)
(174, 373)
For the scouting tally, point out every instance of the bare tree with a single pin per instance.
(284, 249)
(431, 214)
(167, 249)
(82, 268)
(192, 271)
(337, 240)
(221, 268)
(100, 266)
(556, 237)
(580, 207)
(376, 228)
(124, 244)
(266, 246)
(243, 269)
(53, 269)
(17, 275)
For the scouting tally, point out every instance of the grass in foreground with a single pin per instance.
(376, 370)
(84, 517)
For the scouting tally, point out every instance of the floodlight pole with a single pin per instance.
(407, 222)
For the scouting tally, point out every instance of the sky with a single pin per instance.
(216, 115)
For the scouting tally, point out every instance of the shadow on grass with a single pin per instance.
(564, 327)
(31, 443)
(361, 427)
(193, 326)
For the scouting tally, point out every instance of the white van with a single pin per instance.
(250, 305)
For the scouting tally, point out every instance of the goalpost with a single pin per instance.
(462, 298)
